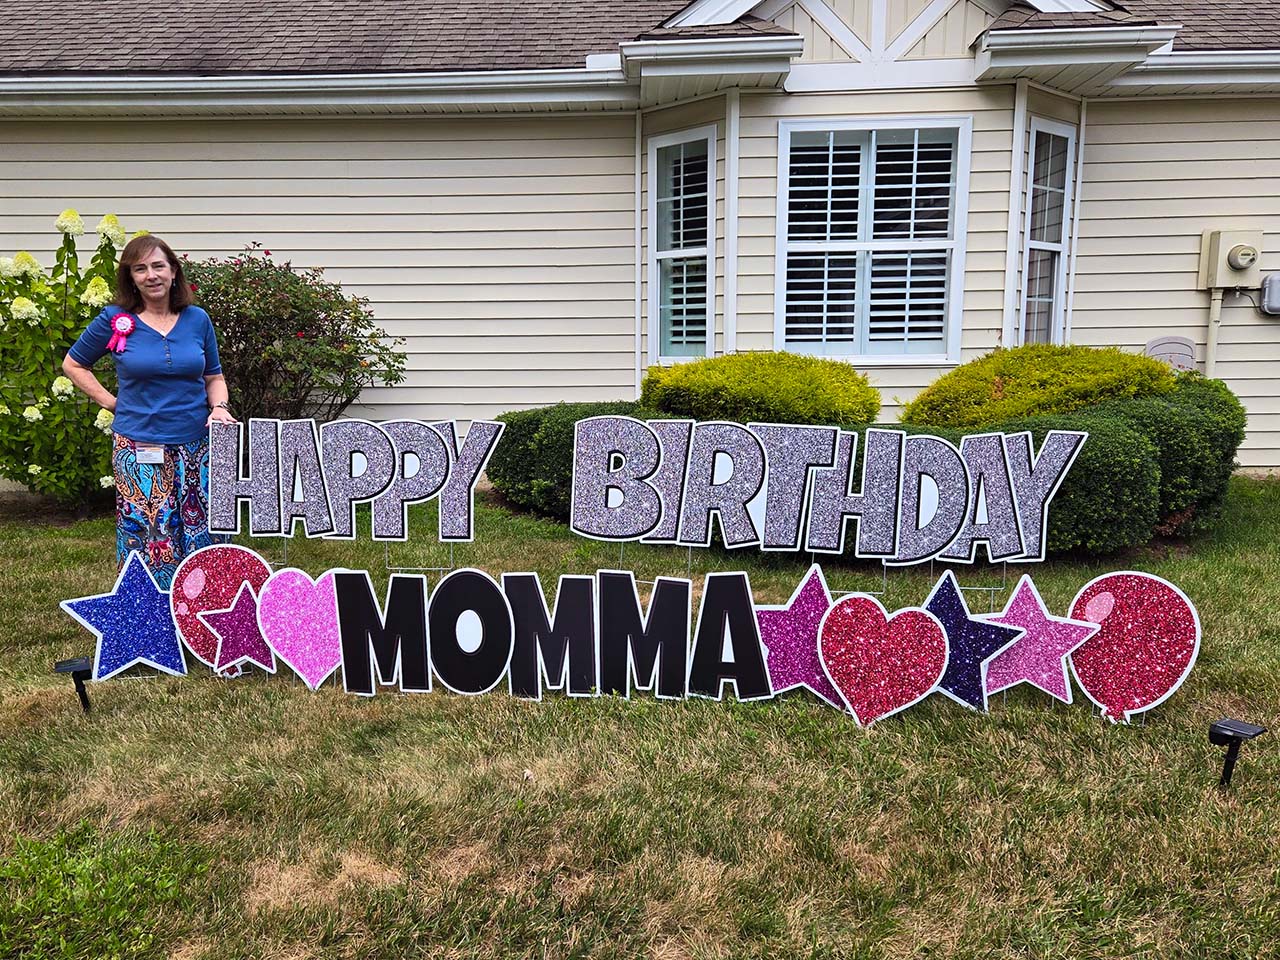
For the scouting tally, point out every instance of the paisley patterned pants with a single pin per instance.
(161, 508)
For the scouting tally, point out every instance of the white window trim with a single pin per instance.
(707, 133)
(1057, 333)
(963, 125)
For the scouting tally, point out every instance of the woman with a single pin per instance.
(170, 389)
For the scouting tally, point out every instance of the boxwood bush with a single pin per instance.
(532, 466)
(1036, 380)
(762, 387)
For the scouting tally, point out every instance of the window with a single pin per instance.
(682, 241)
(1044, 268)
(871, 227)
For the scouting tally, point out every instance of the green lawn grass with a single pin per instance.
(203, 818)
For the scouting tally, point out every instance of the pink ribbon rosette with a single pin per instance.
(122, 324)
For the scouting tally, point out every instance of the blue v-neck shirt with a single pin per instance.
(161, 396)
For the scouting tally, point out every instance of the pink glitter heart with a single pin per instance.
(299, 619)
(881, 664)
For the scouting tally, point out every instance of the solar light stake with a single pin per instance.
(81, 669)
(1230, 734)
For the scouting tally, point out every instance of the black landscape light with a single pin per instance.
(1230, 734)
(81, 669)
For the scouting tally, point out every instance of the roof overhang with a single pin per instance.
(670, 70)
(1075, 59)
(1202, 71)
(96, 96)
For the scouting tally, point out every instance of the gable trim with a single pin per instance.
(703, 13)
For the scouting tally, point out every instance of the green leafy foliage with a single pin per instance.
(84, 894)
(762, 387)
(50, 436)
(292, 344)
(1036, 380)
(532, 466)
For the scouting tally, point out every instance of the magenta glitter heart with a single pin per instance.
(298, 617)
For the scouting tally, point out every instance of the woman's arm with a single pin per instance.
(89, 384)
(215, 386)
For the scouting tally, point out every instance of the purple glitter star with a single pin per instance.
(971, 643)
(790, 636)
(240, 639)
(1039, 656)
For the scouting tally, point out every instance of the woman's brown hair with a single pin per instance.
(135, 251)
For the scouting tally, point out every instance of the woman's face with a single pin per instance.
(152, 274)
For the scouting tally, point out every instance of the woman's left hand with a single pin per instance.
(219, 413)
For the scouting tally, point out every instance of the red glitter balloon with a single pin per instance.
(206, 580)
(881, 664)
(1148, 641)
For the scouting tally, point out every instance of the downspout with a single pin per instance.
(732, 123)
(1215, 324)
(638, 250)
(1075, 221)
(1010, 336)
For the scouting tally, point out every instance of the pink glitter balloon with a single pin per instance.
(298, 617)
(1148, 641)
(209, 580)
(881, 665)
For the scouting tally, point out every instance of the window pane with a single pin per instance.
(908, 302)
(912, 187)
(682, 196)
(1048, 187)
(821, 306)
(683, 308)
(1041, 281)
(1051, 161)
(824, 176)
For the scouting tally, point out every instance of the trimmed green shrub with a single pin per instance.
(1222, 419)
(1110, 498)
(762, 387)
(532, 466)
(1036, 380)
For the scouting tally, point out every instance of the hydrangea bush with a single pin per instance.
(54, 439)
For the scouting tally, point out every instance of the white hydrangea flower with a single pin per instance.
(96, 294)
(109, 227)
(20, 308)
(69, 222)
(103, 420)
(4, 409)
(106, 483)
(35, 469)
(24, 264)
(7, 268)
(62, 387)
(32, 414)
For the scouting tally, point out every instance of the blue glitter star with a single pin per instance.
(132, 623)
(971, 642)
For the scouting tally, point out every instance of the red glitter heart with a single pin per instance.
(881, 664)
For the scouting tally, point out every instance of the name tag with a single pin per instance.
(150, 452)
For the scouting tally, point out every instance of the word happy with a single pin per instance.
(1130, 639)
(791, 487)
(315, 474)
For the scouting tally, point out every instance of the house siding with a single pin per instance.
(502, 250)
(1158, 174)
(983, 272)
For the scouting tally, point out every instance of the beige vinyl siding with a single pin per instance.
(1157, 174)
(983, 272)
(701, 113)
(819, 45)
(501, 249)
(952, 36)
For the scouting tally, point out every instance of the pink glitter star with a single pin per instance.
(1039, 656)
(790, 636)
(239, 638)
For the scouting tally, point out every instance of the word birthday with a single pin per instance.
(1129, 641)
(790, 487)
(315, 474)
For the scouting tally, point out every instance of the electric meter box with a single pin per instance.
(1230, 259)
